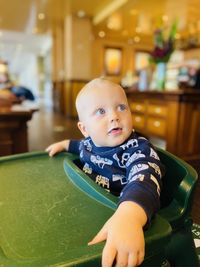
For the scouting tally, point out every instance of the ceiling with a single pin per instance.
(122, 19)
(23, 15)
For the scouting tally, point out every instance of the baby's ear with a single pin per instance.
(82, 128)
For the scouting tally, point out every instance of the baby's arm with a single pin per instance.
(139, 200)
(124, 236)
(58, 147)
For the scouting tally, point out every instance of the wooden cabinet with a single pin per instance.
(171, 116)
(13, 131)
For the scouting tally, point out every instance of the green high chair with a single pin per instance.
(177, 194)
(49, 213)
(176, 203)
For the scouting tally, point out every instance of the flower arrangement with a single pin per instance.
(163, 46)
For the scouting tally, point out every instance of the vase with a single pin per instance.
(160, 76)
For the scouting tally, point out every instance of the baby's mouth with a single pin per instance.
(115, 130)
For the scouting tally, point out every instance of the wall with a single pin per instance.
(78, 46)
(128, 52)
(79, 55)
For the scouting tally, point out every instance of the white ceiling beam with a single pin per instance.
(108, 10)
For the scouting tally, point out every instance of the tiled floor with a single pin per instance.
(47, 127)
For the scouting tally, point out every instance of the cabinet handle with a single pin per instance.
(158, 110)
(156, 123)
(138, 107)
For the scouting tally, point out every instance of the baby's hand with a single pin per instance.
(57, 147)
(124, 237)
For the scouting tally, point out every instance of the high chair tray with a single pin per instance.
(47, 217)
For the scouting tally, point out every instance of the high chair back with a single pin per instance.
(179, 183)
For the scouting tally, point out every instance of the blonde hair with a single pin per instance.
(98, 83)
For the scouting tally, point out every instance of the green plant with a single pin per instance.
(164, 46)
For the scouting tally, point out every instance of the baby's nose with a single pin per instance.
(114, 116)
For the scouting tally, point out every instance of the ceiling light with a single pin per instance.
(102, 34)
(115, 22)
(109, 9)
(41, 16)
(136, 39)
(81, 13)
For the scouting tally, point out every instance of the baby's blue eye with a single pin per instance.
(100, 111)
(121, 107)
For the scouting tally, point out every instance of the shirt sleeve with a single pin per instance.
(144, 173)
(74, 146)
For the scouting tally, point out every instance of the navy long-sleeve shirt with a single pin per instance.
(131, 170)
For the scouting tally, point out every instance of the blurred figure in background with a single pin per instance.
(189, 77)
(9, 92)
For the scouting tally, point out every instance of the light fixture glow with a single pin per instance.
(165, 18)
(109, 9)
(101, 34)
(136, 39)
(81, 13)
(41, 16)
(115, 22)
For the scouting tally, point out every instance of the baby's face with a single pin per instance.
(105, 115)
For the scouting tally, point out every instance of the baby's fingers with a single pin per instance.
(132, 260)
(135, 259)
(122, 259)
(101, 236)
(108, 255)
(50, 150)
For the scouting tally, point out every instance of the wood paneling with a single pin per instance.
(71, 90)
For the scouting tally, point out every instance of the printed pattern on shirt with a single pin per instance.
(136, 169)
(139, 177)
(137, 155)
(124, 158)
(125, 169)
(102, 181)
(87, 144)
(118, 177)
(87, 169)
(130, 144)
(99, 161)
(156, 182)
(153, 154)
